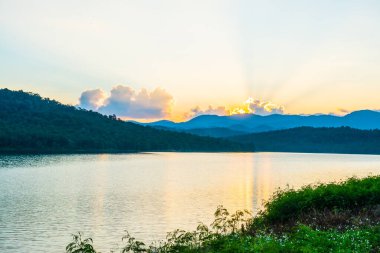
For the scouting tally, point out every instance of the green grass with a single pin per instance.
(303, 239)
(336, 217)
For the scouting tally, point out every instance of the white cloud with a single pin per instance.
(263, 107)
(127, 102)
(197, 111)
(254, 106)
(92, 99)
(250, 106)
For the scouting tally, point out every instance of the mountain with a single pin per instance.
(250, 123)
(315, 140)
(29, 123)
(216, 132)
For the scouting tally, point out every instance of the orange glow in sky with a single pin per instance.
(252, 106)
(305, 56)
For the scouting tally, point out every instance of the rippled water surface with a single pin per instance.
(45, 198)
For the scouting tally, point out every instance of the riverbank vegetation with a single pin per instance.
(334, 217)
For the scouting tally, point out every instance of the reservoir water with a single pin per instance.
(45, 198)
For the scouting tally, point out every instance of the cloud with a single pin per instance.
(341, 110)
(127, 102)
(92, 99)
(250, 106)
(197, 111)
(254, 106)
(338, 112)
(264, 108)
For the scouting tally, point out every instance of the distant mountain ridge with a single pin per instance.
(344, 140)
(251, 123)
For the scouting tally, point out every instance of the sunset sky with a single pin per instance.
(148, 60)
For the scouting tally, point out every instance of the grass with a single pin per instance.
(335, 217)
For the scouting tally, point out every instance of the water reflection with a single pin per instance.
(45, 198)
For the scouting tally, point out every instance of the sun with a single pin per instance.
(254, 106)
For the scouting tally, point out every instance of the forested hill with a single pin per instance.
(29, 123)
(315, 140)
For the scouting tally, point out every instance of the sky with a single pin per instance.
(150, 60)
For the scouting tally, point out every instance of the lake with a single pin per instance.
(45, 198)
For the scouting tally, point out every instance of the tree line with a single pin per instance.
(30, 123)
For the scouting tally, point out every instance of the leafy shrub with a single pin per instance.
(79, 245)
(239, 232)
(352, 194)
